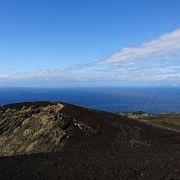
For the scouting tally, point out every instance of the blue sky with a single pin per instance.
(90, 43)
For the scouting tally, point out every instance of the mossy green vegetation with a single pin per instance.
(171, 120)
(174, 122)
(137, 143)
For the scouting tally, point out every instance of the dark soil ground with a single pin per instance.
(92, 145)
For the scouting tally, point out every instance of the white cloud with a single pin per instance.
(58, 75)
(156, 60)
(165, 45)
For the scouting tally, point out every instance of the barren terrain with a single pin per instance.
(50, 140)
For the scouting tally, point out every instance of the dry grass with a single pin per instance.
(27, 130)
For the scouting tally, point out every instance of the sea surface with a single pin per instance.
(151, 100)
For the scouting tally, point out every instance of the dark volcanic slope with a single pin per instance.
(48, 140)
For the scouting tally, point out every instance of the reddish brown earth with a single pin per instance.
(96, 145)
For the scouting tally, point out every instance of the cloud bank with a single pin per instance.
(157, 60)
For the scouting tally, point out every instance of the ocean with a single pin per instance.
(150, 100)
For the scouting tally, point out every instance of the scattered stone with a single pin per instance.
(63, 121)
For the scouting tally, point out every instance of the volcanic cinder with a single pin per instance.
(53, 140)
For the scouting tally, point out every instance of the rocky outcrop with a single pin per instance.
(37, 129)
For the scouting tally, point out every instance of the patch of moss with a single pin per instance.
(136, 143)
(166, 122)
